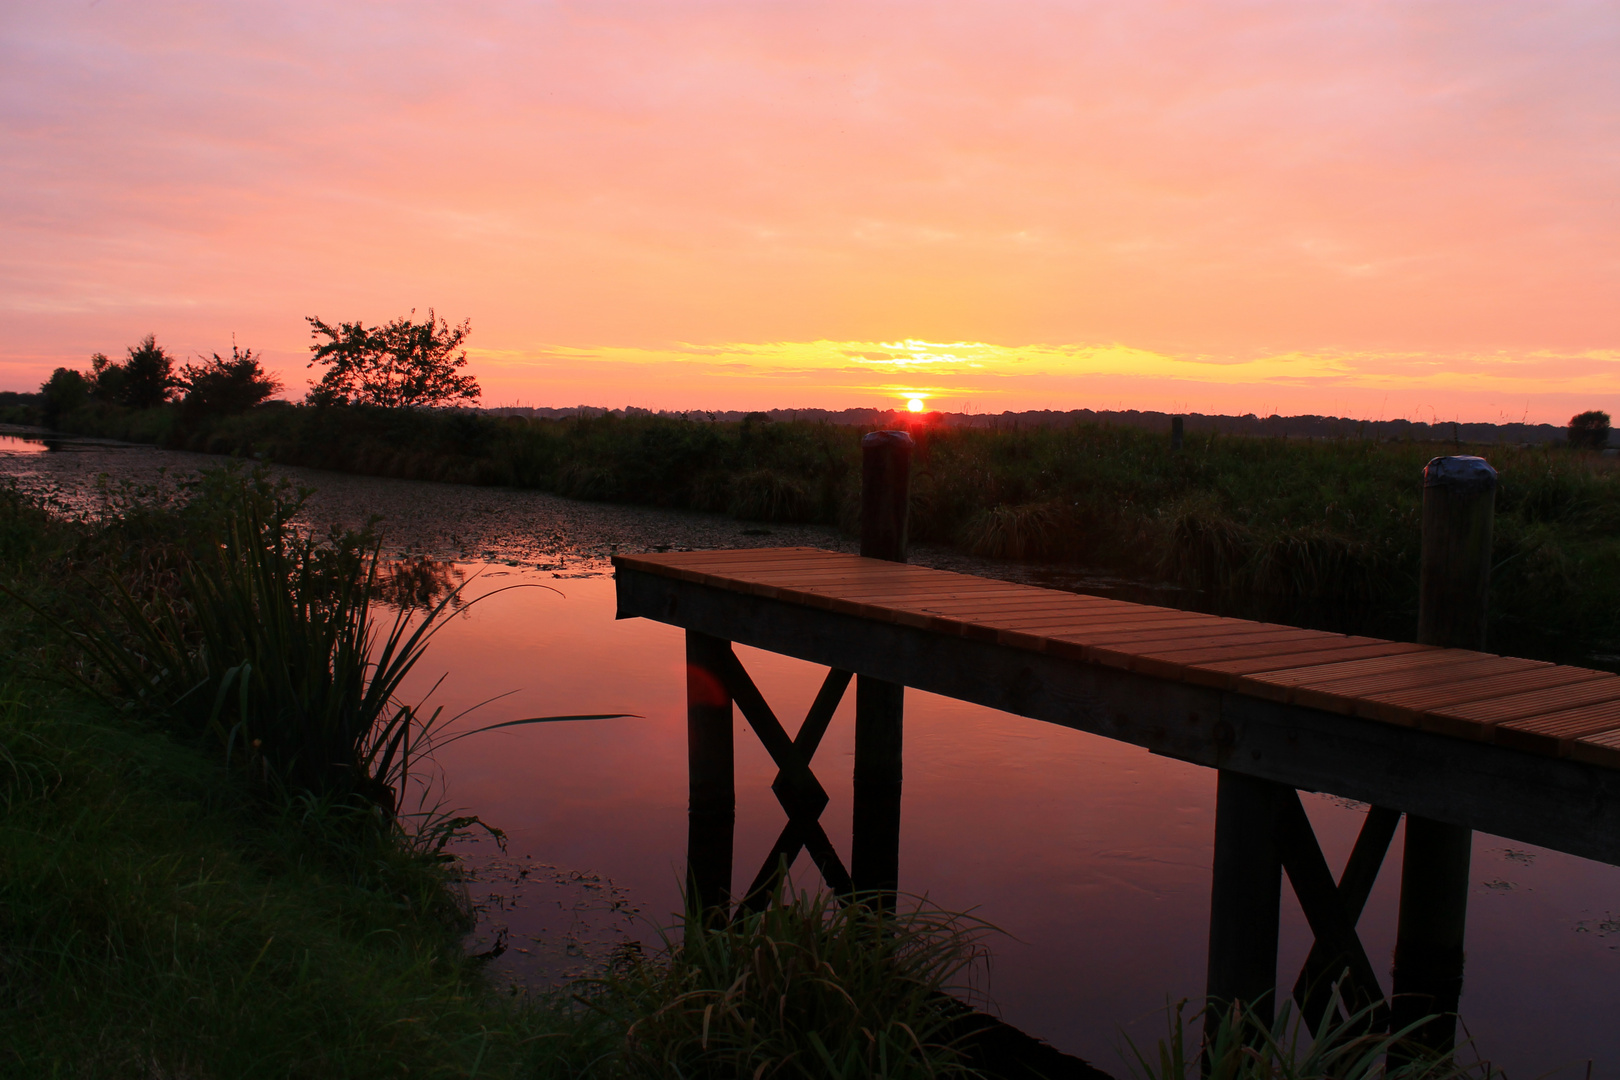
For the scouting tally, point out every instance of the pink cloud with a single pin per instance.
(1243, 179)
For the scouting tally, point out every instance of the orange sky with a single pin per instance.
(1377, 209)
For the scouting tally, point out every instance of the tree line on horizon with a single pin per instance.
(400, 364)
(407, 364)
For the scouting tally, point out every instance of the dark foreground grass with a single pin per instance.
(155, 923)
(161, 917)
(1319, 533)
(1241, 1046)
(805, 988)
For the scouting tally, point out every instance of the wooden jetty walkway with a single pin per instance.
(1455, 738)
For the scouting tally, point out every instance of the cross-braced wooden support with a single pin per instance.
(1261, 832)
(801, 795)
(716, 680)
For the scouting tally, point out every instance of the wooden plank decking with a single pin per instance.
(1529, 705)
(1446, 702)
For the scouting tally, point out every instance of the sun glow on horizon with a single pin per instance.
(915, 405)
(977, 376)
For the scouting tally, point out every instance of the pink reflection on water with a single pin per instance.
(1093, 856)
(11, 445)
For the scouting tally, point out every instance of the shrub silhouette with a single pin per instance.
(220, 386)
(1589, 430)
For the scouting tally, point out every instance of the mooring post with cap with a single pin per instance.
(1459, 504)
(879, 705)
(711, 777)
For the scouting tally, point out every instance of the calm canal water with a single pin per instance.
(1091, 856)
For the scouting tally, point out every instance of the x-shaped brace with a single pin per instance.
(1333, 909)
(795, 786)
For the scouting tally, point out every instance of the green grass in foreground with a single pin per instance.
(161, 917)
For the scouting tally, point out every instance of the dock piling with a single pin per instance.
(711, 775)
(880, 705)
(1245, 895)
(1459, 503)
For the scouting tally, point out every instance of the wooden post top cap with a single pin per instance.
(874, 439)
(1463, 471)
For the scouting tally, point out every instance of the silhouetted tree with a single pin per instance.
(401, 364)
(106, 379)
(219, 385)
(1589, 430)
(143, 381)
(63, 392)
(148, 375)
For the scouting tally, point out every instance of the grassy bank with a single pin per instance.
(182, 894)
(1321, 533)
(161, 913)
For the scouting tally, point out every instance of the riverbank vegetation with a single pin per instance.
(210, 864)
(1320, 533)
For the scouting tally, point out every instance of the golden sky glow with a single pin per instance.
(1376, 209)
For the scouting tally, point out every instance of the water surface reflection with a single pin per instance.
(1092, 855)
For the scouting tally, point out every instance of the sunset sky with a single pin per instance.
(1372, 209)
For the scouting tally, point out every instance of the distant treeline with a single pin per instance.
(1274, 426)
(25, 408)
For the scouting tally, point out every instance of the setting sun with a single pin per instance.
(915, 404)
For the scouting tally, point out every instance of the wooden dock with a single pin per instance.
(1454, 739)
(1526, 750)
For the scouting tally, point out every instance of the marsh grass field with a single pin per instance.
(1321, 533)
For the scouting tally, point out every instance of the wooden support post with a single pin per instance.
(1429, 939)
(880, 706)
(1176, 430)
(885, 494)
(711, 774)
(874, 851)
(1459, 502)
(1246, 895)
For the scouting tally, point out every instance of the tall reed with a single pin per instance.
(806, 987)
(1242, 1046)
(269, 645)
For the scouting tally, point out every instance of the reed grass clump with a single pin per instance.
(159, 917)
(268, 645)
(1027, 531)
(1242, 1046)
(805, 987)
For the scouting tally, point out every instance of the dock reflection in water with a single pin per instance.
(1092, 855)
